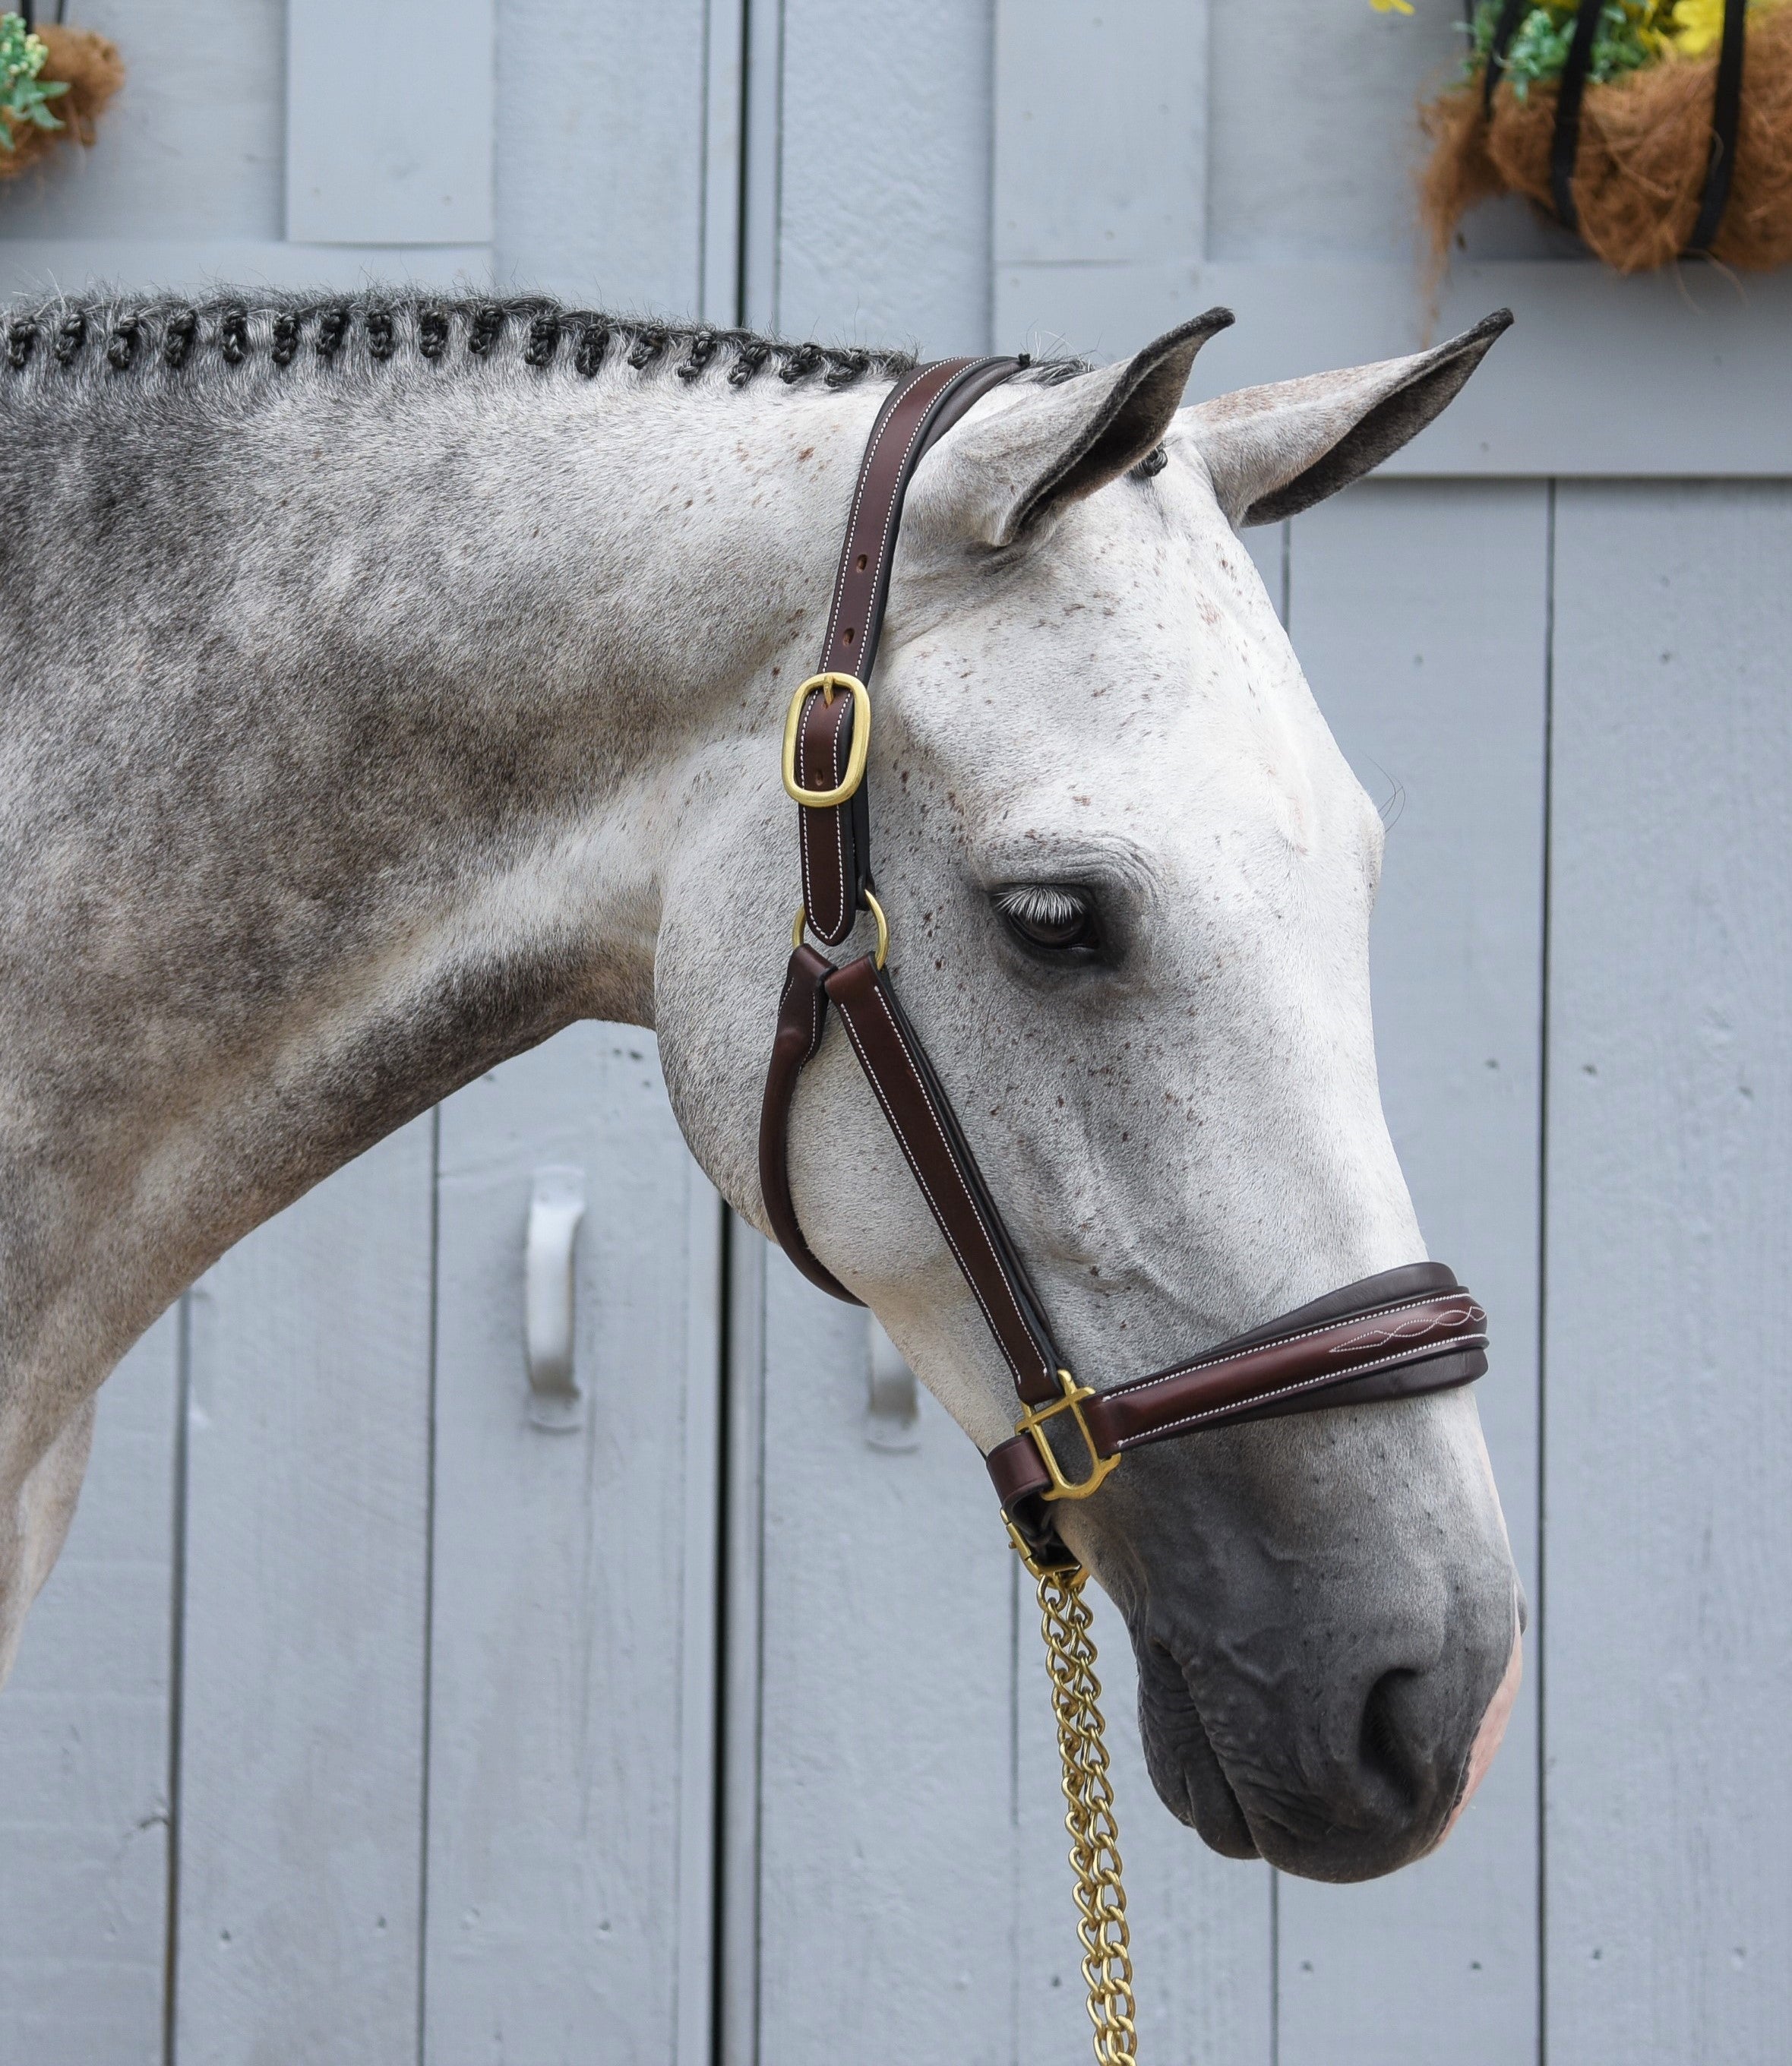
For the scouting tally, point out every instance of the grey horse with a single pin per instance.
(391, 681)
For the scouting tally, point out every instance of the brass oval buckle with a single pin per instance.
(1032, 1422)
(856, 754)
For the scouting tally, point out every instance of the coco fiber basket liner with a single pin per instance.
(1639, 166)
(93, 71)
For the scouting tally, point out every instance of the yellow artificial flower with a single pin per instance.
(1697, 24)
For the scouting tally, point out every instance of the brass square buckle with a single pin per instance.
(1032, 1422)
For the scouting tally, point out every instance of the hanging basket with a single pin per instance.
(1681, 155)
(89, 67)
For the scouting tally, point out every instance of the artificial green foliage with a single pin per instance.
(1630, 33)
(23, 95)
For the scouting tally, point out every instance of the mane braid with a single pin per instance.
(266, 337)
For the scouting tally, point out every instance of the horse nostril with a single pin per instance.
(1382, 1745)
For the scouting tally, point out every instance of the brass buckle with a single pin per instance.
(856, 755)
(1032, 1422)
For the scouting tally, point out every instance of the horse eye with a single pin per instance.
(1060, 921)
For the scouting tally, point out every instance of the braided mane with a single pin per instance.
(98, 338)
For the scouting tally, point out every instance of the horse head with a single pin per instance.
(1129, 878)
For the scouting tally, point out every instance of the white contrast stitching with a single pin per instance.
(920, 1084)
(844, 921)
(964, 372)
(1263, 1398)
(915, 1167)
(897, 397)
(837, 771)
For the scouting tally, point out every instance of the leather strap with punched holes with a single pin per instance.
(1404, 1331)
(835, 841)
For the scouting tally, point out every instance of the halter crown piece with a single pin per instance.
(1400, 1333)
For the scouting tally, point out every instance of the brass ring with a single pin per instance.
(883, 928)
(802, 920)
(858, 754)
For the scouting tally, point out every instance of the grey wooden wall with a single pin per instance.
(362, 1721)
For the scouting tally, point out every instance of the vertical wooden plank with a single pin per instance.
(1669, 1435)
(571, 1707)
(742, 1681)
(888, 242)
(718, 297)
(600, 150)
(885, 1831)
(84, 1751)
(301, 1761)
(1200, 1923)
(389, 121)
(1099, 168)
(1419, 611)
(694, 2042)
(762, 164)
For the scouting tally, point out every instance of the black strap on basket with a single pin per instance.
(1565, 144)
(1511, 12)
(1726, 117)
(1726, 114)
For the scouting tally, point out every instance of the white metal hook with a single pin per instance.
(556, 1207)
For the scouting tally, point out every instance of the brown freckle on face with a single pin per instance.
(807, 452)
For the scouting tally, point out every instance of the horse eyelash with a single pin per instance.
(1039, 904)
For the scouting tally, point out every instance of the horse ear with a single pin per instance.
(1003, 474)
(1273, 451)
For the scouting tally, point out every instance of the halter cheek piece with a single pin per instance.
(1403, 1332)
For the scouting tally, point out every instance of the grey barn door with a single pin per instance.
(366, 1718)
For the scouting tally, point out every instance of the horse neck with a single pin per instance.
(363, 767)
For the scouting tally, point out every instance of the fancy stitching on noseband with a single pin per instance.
(1400, 1333)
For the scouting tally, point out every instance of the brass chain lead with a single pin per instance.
(1094, 1836)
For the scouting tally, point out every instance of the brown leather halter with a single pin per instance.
(1402, 1332)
